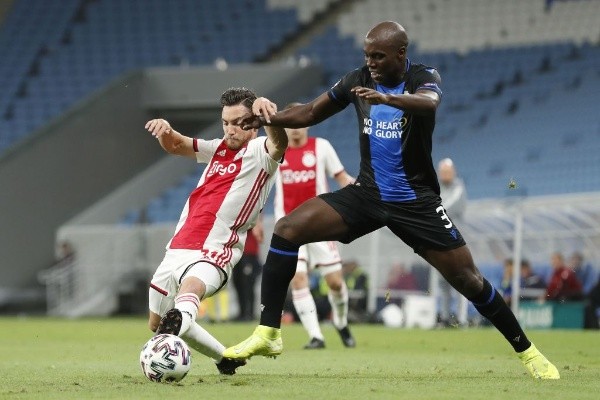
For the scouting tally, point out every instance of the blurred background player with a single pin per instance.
(454, 200)
(303, 175)
(247, 271)
(209, 238)
(590, 283)
(533, 286)
(357, 282)
(563, 284)
(585, 272)
(401, 278)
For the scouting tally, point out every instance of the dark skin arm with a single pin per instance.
(423, 102)
(299, 116)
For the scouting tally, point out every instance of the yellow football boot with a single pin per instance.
(538, 366)
(265, 341)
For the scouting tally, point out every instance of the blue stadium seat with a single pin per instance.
(114, 37)
(545, 150)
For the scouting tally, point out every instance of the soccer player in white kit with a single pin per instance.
(302, 176)
(209, 238)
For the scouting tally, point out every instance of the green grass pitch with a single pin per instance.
(43, 358)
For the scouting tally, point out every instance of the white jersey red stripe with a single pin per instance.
(243, 217)
(303, 174)
(230, 194)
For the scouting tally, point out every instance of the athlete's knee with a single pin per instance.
(286, 229)
(335, 286)
(469, 282)
(335, 282)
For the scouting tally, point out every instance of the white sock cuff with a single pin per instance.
(188, 302)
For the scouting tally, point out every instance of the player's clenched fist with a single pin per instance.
(158, 127)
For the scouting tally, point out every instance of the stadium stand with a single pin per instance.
(519, 78)
(506, 68)
(440, 25)
(56, 53)
(306, 10)
(83, 45)
(502, 98)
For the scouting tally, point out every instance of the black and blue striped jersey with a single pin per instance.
(395, 146)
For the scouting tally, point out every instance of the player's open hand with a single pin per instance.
(371, 96)
(158, 127)
(263, 107)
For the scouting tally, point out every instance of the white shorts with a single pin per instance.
(322, 256)
(176, 265)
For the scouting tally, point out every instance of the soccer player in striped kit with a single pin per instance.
(209, 238)
(396, 101)
(302, 176)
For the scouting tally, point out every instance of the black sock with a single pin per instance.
(279, 269)
(491, 305)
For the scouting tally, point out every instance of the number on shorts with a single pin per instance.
(444, 217)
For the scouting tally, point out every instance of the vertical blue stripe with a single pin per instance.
(385, 139)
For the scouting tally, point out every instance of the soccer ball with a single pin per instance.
(165, 358)
(392, 316)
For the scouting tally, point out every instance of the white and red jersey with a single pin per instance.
(303, 174)
(230, 194)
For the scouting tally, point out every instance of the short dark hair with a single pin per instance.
(235, 96)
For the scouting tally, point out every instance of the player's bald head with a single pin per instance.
(389, 33)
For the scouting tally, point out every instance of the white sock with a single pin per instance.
(307, 311)
(188, 304)
(339, 306)
(200, 340)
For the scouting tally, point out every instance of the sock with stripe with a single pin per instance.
(188, 304)
(491, 305)
(277, 274)
(304, 303)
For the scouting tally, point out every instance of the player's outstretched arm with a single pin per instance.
(308, 114)
(299, 116)
(172, 141)
(423, 102)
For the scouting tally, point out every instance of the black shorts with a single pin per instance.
(422, 223)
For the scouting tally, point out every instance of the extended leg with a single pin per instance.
(458, 269)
